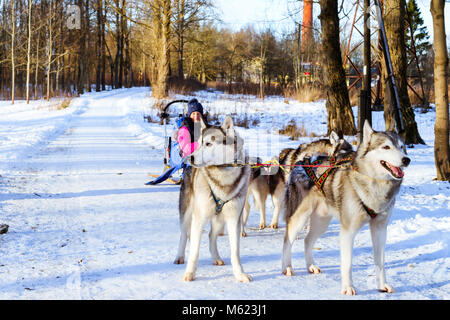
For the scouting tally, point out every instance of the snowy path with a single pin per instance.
(84, 226)
(82, 211)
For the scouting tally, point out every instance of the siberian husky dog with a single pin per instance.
(214, 189)
(359, 191)
(271, 180)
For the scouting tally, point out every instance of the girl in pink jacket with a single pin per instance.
(185, 138)
(185, 135)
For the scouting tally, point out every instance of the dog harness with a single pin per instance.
(219, 202)
(319, 182)
(369, 211)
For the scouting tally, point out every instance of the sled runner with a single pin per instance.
(173, 180)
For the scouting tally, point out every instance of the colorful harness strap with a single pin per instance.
(319, 182)
(311, 174)
(370, 212)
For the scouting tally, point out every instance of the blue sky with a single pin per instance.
(275, 13)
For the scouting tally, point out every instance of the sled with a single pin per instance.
(172, 160)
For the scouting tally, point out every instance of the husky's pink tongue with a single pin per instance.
(397, 171)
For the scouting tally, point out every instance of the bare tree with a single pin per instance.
(119, 45)
(187, 14)
(99, 44)
(103, 47)
(262, 56)
(30, 4)
(160, 39)
(81, 49)
(87, 57)
(179, 30)
(441, 128)
(36, 71)
(49, 47)
(13, 34)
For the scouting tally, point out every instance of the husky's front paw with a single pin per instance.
(218, 262)
(288, 272)
(243, 277)
(262, 225)
(179, 260)
(386, 288)
(188, 276)
(273, 225)
(348, 291)
(314, 270)
(243, 234)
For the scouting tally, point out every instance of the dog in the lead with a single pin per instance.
(271, 180)
(358, 191)
(214, 189)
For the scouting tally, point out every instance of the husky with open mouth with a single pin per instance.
(360, 189)
(214, 189)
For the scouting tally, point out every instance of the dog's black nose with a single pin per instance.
(406, 161)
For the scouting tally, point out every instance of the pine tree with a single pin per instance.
(415, 26)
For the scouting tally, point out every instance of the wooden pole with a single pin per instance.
(390, 71)
(365, 95)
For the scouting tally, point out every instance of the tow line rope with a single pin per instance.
(275, 163)
(307, 167)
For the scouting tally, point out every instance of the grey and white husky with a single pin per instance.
(214, 190)
(271, 181)
(359, 191)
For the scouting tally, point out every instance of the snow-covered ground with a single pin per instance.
(82, 224)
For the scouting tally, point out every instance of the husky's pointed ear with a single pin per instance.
(368, 131)
(334, 138)
(227, 123)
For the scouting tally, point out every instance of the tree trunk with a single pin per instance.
(61, 55)
(50, 48)
(161, 38)
(394, 20)
(99, 45)
(36, 71)
(30, 3)
(340, 116)
(116, 59)
(144, 70)
(441, 128)
(103, 49)
(126, 48)
(180, 32)
(87, 57)
(81, 51)
(165, 54)
(120, 45)
(262, 56)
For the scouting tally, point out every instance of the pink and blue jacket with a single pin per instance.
(184, 142)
